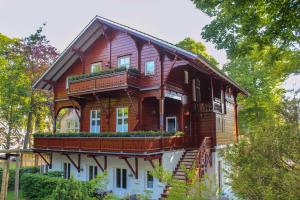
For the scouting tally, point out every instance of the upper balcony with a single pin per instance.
(114, 79)
(108, 142)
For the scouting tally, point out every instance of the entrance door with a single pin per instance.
(95, 121)
(171, 124)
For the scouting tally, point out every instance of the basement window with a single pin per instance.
(93, 172)
(67, 170)
(121, 178)
(150, 180)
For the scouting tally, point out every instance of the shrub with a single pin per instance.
(23, 170)
(38, 186)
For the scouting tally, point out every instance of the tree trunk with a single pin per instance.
(29, 124)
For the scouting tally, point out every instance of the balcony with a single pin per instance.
(129, 144)
(120, 78)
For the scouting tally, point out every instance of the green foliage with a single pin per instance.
(193, 189)
(51, 186)
(13, 91)
(197, 48)
(109, 134)
(132, 71)
(38, 186)
(23, 170)
(236, 24)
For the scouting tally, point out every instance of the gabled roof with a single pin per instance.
(93, 30)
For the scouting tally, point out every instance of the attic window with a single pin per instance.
(124, 61)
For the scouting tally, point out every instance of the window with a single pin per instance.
(93, 172)
(124, 61)
(196, 90)
(186, 77)
(72, 125)
(121, 178)
(67, 170)
(96, 67)
(171, 124)
(95, 121)
(150, 67)
(149, 181)
(122, 119)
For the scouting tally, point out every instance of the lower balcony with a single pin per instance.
(86, 142)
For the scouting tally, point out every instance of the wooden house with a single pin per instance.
(141, 102)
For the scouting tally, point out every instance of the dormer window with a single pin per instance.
(150, 67)
(96, 67)
(124, 61)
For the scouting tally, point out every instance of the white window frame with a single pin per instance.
(95, 119)
(123, 117)
(94, 64)
(94, 175)
(146, 71)
(72, 127)
(171, 117)
(123, 57)
(121, 179)
(146, 181)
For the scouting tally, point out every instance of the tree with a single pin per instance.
(237, 24)
(198, 48)
(13, 91)
(39, 55)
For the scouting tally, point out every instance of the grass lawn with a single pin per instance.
(10, 195)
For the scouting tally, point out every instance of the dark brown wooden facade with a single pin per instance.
(150, 99)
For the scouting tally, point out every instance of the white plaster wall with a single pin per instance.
(134, 186)
(212, 173)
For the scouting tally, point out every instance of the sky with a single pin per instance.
(171, 20)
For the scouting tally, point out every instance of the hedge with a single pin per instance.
(23, 170)
(109, 71)
(38, 186)
(110, 134)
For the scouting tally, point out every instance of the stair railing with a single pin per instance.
(204, 159)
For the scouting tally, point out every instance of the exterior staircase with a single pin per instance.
(186, 160)
(200, 157)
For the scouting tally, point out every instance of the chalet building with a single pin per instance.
(131, 92)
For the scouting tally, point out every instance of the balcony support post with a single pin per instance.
(105, 162)
(135, 172)
(49, 163)
(77, 166)
(97, 162)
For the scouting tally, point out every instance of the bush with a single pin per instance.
(38, 186)
(23, 170)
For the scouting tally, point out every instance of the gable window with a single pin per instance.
(122, 119)
(93, 172)
(150, 67)
(186, 77)
(96, 67)
(95, 121)
(171, 124)
(124, 61)
(72, 125)
(149, 181)
(67, 170)
(121, 178)
(196, 90)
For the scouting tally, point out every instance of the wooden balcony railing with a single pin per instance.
(104, 82)
(109, 144)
